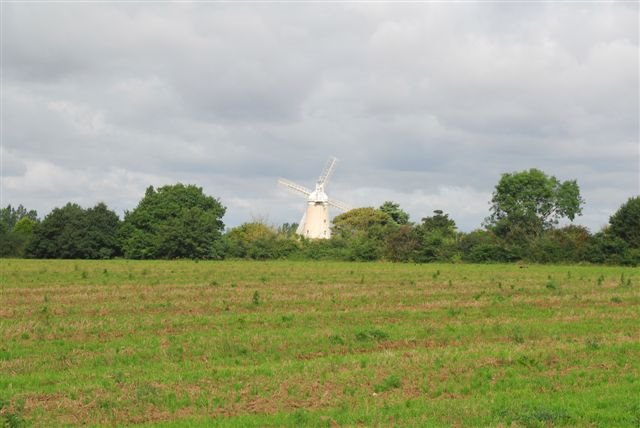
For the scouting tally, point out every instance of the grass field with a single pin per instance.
(318, 344)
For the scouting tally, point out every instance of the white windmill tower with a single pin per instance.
(315, 221)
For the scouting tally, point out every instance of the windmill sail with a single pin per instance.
(328, 171)
(294, 186)
(300, 229)
(338, 204)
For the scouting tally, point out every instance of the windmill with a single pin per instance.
(315, 221)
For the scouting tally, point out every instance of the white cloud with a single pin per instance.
(44, 185)
(80, 118)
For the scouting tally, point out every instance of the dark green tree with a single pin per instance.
(604, 247)
(395, 212)
(439, 223)
(72, 232)
(437, 235)
(60, 234)
(101, 239)
(175, 221)
(402, 243)
(526, 203)
(625, 223)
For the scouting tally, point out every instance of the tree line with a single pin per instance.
(180, 221)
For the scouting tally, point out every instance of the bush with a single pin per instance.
(605, 248)
(259, 241)
(567, 244)
(362, 248)
(323, 249)
(482, 246)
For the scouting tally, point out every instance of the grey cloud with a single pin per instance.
(426, 104)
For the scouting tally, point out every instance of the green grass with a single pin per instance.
(317, 344)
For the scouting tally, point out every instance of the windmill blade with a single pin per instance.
(293, 186)
(300, 229)
(328, 171)
(340, 205)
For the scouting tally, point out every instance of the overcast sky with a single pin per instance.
(423, 104)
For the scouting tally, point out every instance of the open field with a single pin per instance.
(321, 344)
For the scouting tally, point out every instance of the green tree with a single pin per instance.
(625, 223)
(364, 230)
(175, 221)
(367, 220)
(526, 203)
(22, 234)
(395, 212)
(9, 216)
(248, 240)
(25, 226)
(16, 230)
(288, 229)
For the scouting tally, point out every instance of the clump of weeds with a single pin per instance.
(373, 334)
(624, 282)
(478, 296)
(389, 383)
(551, 285)
(593, 344)
(516, 336)
(454, 312)
(336, 339)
